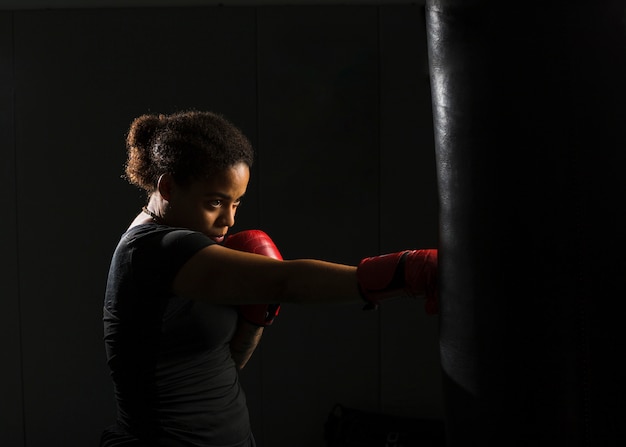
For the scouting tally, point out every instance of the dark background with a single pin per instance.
(336, 100)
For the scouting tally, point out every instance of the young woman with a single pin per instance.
(186, 305)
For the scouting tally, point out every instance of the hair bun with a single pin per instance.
(143, 130)
(189, 145)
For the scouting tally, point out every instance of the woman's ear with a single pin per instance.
(165, 186)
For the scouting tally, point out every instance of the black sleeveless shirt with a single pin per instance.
(174, 380)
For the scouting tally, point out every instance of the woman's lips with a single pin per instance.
(218, 239)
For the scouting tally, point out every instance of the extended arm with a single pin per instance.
(223, 276)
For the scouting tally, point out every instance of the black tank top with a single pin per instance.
(174, 380)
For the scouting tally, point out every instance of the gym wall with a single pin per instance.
(336, 100)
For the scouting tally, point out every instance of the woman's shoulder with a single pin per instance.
(152, 237)
(151, 231)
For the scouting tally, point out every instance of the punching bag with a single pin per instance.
(529, 108)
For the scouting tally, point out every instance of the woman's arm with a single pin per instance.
(223, 276)
(246, 339)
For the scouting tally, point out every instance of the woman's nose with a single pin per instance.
(227, 217)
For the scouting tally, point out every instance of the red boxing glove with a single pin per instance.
(258, 242)
(409, 273)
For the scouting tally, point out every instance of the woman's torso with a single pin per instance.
(174, 379)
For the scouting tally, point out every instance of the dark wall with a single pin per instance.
(337, 103)
(11, 402)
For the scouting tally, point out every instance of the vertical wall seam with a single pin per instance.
(582, 310)
(379, 187)
(582, 291)
(257, 105)
(579, 212)
(259, 217)
(17, 229)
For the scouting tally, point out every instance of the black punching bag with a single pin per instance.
(529, 105)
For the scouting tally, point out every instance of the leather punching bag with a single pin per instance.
(529, 104)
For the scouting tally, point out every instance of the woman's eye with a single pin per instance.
(215, 203)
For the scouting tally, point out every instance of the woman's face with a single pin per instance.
(209, 206)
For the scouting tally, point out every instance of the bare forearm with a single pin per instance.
(245, 278)
(246, 339)
(313, 281)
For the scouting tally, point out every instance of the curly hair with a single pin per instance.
(189, 145)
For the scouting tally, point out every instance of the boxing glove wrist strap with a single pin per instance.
(387, 281)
